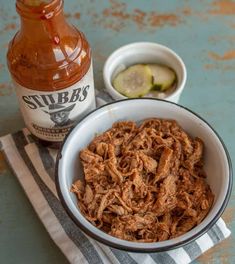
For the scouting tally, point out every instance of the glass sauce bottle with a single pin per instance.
(50, 63)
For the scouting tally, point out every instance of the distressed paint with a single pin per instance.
(201, 32)
(228, 55)
(117, 17)
(229, 214)
(6, 89)
(223, 7)
(220, 254)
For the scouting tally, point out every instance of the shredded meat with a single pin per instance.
(164, 164)
(144, 183)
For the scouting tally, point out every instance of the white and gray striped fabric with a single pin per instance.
(34, 166)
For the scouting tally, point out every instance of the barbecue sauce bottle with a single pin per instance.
(50, 64)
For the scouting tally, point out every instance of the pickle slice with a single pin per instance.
(135, 81)
(163, 76)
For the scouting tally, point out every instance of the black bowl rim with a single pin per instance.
(145, 250)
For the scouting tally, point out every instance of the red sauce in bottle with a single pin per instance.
(50, 63)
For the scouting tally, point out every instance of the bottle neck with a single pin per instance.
(43, 21)
(39, 9)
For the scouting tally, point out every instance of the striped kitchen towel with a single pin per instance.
(34, 167)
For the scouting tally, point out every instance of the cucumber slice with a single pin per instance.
(163, 77)
(135, 81)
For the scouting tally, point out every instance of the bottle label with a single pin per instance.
(50, 115)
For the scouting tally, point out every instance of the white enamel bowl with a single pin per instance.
(217, 164)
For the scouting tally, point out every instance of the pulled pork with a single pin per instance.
(144, 183)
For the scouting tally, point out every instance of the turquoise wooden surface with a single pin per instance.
(201, 32)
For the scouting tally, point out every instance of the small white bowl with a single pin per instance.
(143, 52)
(216, 159)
